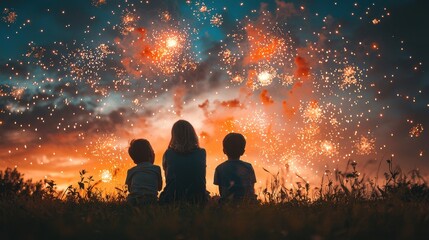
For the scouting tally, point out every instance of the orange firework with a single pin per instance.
(350, 77)
(416, 130)
(17, 93)
(327, 148)
(365, 145)
(10, 16)
(313, 112)
(152, 51)
(266, 76)
(166, 16)
(106, 176)
(203, 8)
(375, 21)
(128, 23)
(261, 46)
(216, 20)
(106, 148)
(260, 51)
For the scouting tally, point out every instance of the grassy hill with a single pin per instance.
(345, 207)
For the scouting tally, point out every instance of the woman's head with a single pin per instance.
(140, 151)
(183, 137)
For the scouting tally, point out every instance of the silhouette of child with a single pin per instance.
(143, 180)
(184, 164)
(235, 178)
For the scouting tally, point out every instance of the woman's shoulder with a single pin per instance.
(200, 152)
(195, 151)
(170, 151)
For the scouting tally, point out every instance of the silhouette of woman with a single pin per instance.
(184, 164)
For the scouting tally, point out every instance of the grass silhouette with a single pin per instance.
(346, 205)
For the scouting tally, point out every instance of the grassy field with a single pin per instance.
(346, 207)
(59, 220)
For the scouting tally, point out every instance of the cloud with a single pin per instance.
(286, 9)
(288, 110)
(179, 93)
(233, 103)
(265, 98)
(204, 106)
(63, 123)
(302, 67)
(14, 69)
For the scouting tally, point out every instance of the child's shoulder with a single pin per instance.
(133, 168)
(224, 163)
(151, 166)
(247, 164)
(156, 167)
(229, 163)
(140, 167)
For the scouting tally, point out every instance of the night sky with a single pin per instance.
(311, 84)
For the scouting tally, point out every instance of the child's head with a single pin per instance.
(234, 145)
(183, 137)
(140, 151)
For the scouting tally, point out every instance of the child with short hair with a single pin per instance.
(143, 180)
(235, 178)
